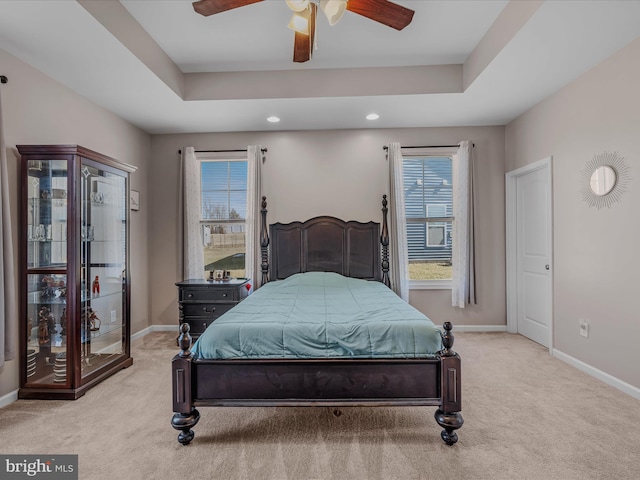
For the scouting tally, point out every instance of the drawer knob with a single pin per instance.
(224, 294)
(206, 310)
(190, 295)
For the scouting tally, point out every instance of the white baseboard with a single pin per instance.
(9, 398)
(478, 328)
(141, 333)
(166, 328)
(599, 374)
(155, 328)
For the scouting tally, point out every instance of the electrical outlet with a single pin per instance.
(584, 328)
(114, 316)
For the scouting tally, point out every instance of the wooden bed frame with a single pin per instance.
(321, 244)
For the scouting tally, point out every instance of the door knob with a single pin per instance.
(546, 267)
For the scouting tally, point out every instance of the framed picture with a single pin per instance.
(135, 200)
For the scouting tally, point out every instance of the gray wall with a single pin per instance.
(341, 173)
(596, 255)
(39, 110)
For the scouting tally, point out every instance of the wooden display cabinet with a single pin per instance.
(74, 317)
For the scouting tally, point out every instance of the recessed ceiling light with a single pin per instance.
(373, 116)
(273, 119)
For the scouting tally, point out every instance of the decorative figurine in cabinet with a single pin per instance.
(74, 230)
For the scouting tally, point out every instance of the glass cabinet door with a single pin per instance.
(103, 240)
(46, 279)
(47, 214)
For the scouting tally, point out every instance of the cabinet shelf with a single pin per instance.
(47, 241)
(58, 342)
(67, 348)
(57, 269)
(37, 298)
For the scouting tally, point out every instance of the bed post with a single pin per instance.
(264, 242)
(448, 415)
(185, 416)
(384, 240)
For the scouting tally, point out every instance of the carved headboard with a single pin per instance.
(326, 244)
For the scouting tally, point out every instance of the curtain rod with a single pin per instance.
(263, 150)
(386, 147)
(3, 79)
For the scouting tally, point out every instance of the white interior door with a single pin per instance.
(533, 254)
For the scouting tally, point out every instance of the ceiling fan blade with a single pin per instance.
(211, 7)
(382, 11)
(303, 44)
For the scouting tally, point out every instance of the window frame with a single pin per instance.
(222, 157)
(433, 225)
(440, 223)
(442, 152)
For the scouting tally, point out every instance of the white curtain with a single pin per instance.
(398, 254)
(254, 199)
(192, 248)
(8, 311)
(463, 291)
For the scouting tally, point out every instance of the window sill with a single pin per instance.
(429, 284)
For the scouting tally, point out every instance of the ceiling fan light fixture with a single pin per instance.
(333, 9)
(300, 22)
(298, 5)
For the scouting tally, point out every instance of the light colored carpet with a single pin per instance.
(527, 416)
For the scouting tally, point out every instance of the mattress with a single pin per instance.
(320, 315)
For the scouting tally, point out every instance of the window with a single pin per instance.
(429, 211)
(436, 231)
(223, 214)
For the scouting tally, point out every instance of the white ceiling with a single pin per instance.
(160, 65)
(255, 37)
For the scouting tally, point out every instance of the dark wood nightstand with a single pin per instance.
(200, 302)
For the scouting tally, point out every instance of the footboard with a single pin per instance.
(316, 382)
(324, 382)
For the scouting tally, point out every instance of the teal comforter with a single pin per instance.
(320, 315)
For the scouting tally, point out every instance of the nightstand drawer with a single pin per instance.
(208, 294)
(197, 327)
(207, 310)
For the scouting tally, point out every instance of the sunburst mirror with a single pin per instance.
(604, 179)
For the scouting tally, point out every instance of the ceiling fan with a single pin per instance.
(304, 18)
